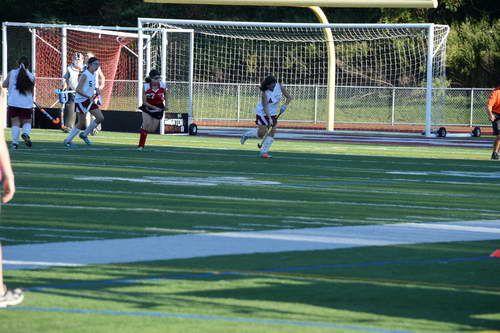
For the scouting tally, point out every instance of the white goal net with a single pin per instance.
(384, 74)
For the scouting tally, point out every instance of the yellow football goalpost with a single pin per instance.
(315, 6)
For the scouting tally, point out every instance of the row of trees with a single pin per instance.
(473, 57)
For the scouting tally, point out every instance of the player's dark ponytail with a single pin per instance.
(267, 81)
(151, 74)
(23, 83)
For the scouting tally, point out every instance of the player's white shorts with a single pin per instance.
(84, 106)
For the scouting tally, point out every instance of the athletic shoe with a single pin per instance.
(85, 138)
(65, 129)
(69, 145)
(14, 146)
(140, 148)
(265, 155)
(11, 297)
(27, 139)
(494, 156)
(243, 139)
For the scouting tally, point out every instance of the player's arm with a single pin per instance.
(489, 106)
(150, 107)
(102, 79)
(64, 81)
(265, 105)
(5, 83)
(288, 97)
(9, 187)
(79, 88)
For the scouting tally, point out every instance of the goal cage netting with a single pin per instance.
(384, 73)
(121, 51)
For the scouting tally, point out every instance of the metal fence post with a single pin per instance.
(238, 93)
(315, 104)
(393, 107)
(471, 105)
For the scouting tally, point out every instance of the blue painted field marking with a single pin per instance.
(220, 318)
(273, 270)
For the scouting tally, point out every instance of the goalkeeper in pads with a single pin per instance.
(267, 114)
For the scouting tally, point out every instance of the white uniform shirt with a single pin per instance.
(15, 98)
(88, 88)
(71, 76)
(273, 99)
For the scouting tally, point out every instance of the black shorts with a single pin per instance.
(156, 115)
(496, 124)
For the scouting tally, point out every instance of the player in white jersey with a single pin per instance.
(266, 112)
(70, 81)
(100, 83)
(20, 82)
(85, 102)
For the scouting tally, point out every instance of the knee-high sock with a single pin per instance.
(142, 139)
(268, 141)
(27, 128)
(16, 130)
(251, 133)
(72, 134)
(90, 128)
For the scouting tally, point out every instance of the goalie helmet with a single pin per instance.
(62, 96)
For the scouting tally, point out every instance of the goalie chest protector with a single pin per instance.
(155, 97)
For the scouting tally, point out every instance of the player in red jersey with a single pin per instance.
(154, 104)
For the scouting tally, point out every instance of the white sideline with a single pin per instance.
(116, 251)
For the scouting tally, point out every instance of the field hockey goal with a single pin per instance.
(384, 73)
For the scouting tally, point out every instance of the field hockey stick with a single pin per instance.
(42, 110)
(269, 129)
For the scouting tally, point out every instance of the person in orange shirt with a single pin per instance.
(493, 110)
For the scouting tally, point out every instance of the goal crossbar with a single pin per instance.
(309, 3)
(285, 25)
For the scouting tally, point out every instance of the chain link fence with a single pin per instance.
(233, 105)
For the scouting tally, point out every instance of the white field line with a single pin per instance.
(351, 179)
(203, 227)
(41, 263)
(265, 225)
(454, 227)
(66, 236)
(192, 212)
(180, 231)
(430, 218)
(16, 240)
(192, 196)
(117, 232)
(115, 251)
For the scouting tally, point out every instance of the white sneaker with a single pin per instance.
(140, 148)
(11, 297)
(243, 139)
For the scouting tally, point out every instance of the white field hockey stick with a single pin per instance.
(269, 129)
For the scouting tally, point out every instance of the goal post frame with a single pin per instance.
(308, 3)
(331, 59)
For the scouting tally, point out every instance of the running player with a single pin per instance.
(20, 82)
(266, 111)
(86, 93)
(100, 83)
(153, 106)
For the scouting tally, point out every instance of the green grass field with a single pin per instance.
(194, 185)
